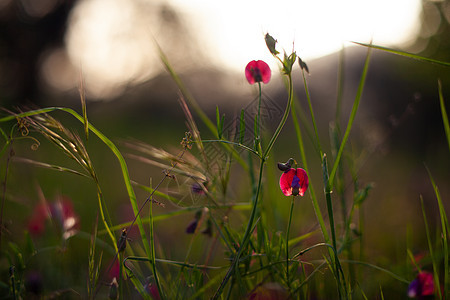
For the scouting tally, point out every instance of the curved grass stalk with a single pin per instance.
(116, 152)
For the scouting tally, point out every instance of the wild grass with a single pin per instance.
(241, 242)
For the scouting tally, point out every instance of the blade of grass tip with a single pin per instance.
(352, 116)
(313, 119)
(340, 86)
(444, 114)
(445, 230)
(430, 247)
(185, 91)
(366, 264)
(406, 54)
(83, 105)
(219, 129)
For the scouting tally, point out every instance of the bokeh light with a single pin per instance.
(112, 41)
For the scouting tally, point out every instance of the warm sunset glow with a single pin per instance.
(112, 40)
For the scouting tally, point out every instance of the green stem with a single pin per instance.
(283, 119)
(305, 166)
(152, 249)
(287, 242)
(245, 239)
(327, 185)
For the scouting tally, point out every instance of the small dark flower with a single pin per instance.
(34, 283)
(422, 286)
(197, 188)
(192, 226)
(303, 65)
(257, 71)
(285, 166)
(294, 182)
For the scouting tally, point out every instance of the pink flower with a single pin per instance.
(36, 224)
(61, 211)
(422, 286)
(294, 182)
(257, 71)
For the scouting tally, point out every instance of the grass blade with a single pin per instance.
(445, 230)
(406, 54)
(352, 117)
(430, 246)
(444, 114)
(112, 147)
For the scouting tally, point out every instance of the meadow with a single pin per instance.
(257, 205)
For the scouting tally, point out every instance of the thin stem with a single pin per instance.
(283, 119)
(246, 237)
(258, 125)
(8, 160)
(287, 242)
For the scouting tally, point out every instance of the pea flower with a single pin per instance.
(61, 211)
(294, 182)
(257, 71)
(422, 286)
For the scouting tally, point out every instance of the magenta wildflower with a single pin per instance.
(257, 71)
(36, 224)
(294, 182)
(61, 211)
(422, 286)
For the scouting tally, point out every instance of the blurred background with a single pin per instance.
(48, 47)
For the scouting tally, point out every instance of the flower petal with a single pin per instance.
(286, 181)
(257, 71)
(303, 181)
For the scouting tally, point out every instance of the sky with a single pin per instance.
(112, 41)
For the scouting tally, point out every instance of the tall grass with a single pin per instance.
(244, 253)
